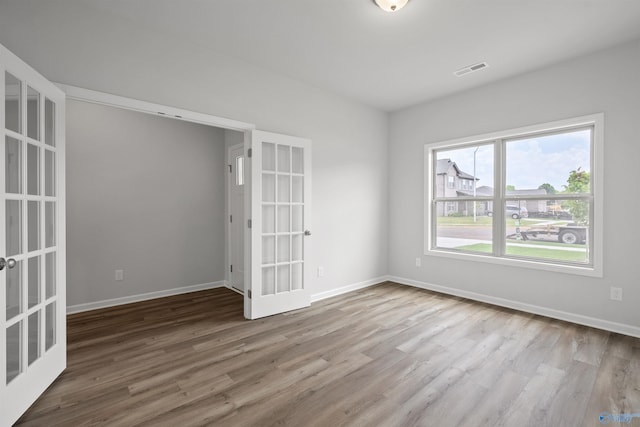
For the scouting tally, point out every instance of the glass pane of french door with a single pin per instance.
(282, 204)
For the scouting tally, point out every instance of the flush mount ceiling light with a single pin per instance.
(391, 5)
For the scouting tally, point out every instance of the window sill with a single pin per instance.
(586, 270)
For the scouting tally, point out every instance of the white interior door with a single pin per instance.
(280, 224)
(236, 216)
(32, 236)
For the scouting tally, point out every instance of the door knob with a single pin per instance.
(307, 233)
(9, 263)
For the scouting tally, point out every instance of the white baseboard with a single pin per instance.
(593, 322)
(142, 297)
(349, 288)
(579, 319)
(237, 291)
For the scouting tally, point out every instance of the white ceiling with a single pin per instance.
(389, 60)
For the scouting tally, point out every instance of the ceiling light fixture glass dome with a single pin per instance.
(391, 5)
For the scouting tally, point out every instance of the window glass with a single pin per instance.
(543, 210)
(12, 102)
(544, 164)
(554, 230)
(466, 164)
(456, 229)
(49, 122)
(33, 113)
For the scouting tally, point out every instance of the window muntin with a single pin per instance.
(532, 218)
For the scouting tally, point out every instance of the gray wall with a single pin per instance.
(81, 46)
(144, 194)
(604, 82)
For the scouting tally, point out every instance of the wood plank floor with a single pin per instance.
(388, 355)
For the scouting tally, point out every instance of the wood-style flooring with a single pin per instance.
(388, 355)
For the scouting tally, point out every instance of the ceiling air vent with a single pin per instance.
(470, 69)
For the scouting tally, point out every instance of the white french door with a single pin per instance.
(280, 224)
(32, 236)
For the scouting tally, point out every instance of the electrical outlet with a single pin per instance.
(119, 275)
(616, 294)
(418, 262)
(320, 271)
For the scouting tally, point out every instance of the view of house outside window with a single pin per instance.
(526, 197)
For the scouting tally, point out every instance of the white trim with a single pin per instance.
(515, 262)
(237, 291)
(28, 74)
(78, 308)
(349, 288)
(523, 131)
(579, 319)
(248, 197)
(596, 269)
(87, 95)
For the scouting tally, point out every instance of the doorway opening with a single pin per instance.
(275, 228)
(174, 159)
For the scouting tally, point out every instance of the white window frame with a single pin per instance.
(595, 268)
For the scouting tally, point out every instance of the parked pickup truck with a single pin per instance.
(570, 234)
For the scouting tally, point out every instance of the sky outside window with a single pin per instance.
(530, 162)
(547, 159)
